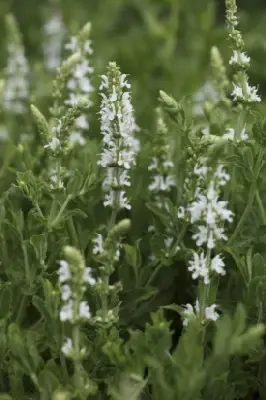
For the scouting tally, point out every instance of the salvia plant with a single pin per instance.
(132, 203)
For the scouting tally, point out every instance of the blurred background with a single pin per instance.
(162, 44)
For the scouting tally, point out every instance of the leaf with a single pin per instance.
(5, 300)
(39, 243)
(41, 307)
(239, 321)
(48, 382)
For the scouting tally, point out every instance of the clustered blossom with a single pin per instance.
(207, 210)
(119, 145)
(248, 94)
(79, 86)
(73, 283)
(239, 58)
(191, 312)
(16, 90)
(242, 91)
(208, 214)
(54, 33)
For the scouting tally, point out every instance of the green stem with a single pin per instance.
(261, 207)
(22, 307)
(77, 363)
(154, 273)
(62, 209)
(58, 172)
(26, 262)
(73, 232)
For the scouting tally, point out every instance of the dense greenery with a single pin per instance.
(132, 228)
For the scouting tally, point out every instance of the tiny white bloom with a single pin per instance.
(66, 292)
(66, 312)
(76, 137)
(98, 241)
(67, 347)
(88, 277)
(64, 271)
(84, 310)
(218, 265)
(211, 314)
(168, 241)
(240, 58)
(54, 144)
(198, 267)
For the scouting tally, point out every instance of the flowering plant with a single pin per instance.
(132, 205)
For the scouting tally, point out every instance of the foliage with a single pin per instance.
(132, 225)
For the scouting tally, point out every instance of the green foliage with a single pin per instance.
(149, 329)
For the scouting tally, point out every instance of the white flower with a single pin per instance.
(162, 183)
(88, 277)
(54, 144)
(239, 58)
(82, 122)
(67, 347)
(119, 143)
(190, 312)
(209, 209)
(76, 137)
(65, 292)
(72, 44)
(79, 85)
(66, 313)
(181, 212)
(198, 267)
(64, 271)
(84, 310)
(211, 314)
(250, 95)
(98, 241)
(56, 182)
(222, 175)
(118, 197)
(217, 265)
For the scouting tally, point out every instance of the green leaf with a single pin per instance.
(39, 243)
(48, 382)
(41, 307)
(5, 300)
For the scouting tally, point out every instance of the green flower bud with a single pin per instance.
(70, 63)
(73, 256)
(39, 120)
(83, 103)
(121, 228)
(85, 32)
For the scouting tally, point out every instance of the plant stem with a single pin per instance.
(73, 232)
(26, 262)
(77, 363)
(62, 209)
(261, 207)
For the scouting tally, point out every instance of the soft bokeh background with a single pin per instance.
(160, 43)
